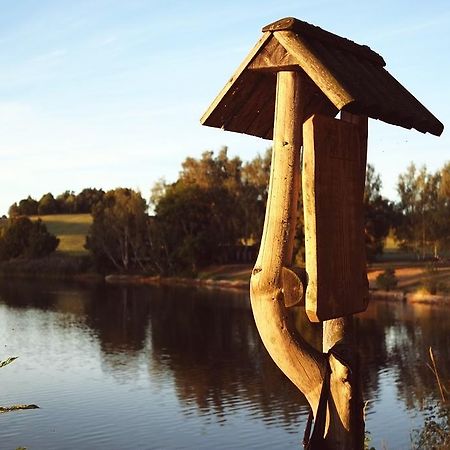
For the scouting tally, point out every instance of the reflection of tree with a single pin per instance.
(214, 353)
(70, 299)
(119, 318)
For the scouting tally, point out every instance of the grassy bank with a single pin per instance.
(70, 229)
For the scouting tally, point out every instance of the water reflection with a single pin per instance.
(204, 346)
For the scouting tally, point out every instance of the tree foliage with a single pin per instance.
(47, 205)
(379, 214)
(26, 207)
(217, 202)
(66, 203)
(425, 208)
(23, 238)
(118, 235)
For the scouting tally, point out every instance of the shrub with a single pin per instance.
(387, 279)
(22, 238)
(431, 281)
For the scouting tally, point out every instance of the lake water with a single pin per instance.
(177, 368)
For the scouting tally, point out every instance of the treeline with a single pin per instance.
(423, 219)
(216, 205)
(216, 208)
(66, 203)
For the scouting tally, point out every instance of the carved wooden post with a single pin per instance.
(299, 361)
(273, 283)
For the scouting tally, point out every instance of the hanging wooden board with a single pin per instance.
(334, 159)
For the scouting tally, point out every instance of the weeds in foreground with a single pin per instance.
(435, 433)
(4, 409)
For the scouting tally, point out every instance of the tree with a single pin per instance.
(442, 214)
(117, 237)
(87, 199)
(422, 205)
(66, 202)
(14, 210)
(379, 214)
(253, 197)
(23, 238)
(195, 222)
(216, 204)
(47, 205)
(28, 207)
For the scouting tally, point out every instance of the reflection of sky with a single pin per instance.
(386, 412)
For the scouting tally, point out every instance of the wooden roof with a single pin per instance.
(339, 74)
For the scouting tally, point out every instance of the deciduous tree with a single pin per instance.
(117, 237)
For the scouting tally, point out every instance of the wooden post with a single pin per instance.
(345, 424)
(302, 364)
(273, 284)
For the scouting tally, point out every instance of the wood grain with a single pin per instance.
(333, 189)
(301, 363)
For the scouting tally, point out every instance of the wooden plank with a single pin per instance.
(243, 66)
(315, 68)
(333, 188)
(254, 102)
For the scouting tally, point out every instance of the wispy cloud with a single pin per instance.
(416, 27)
(49, 57)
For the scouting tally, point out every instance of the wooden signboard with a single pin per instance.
(334, 159)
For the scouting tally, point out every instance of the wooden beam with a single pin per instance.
(314, 68)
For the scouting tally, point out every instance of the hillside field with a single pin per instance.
(70, 229)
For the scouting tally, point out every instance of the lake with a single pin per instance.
(115, 367)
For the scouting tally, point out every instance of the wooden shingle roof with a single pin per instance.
(339, 75)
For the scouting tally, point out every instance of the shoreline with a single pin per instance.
(232, 284)
(375, 294)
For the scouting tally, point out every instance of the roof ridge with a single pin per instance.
(301, 27)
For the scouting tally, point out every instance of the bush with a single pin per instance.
(387, 279)
(22, 238)
(431, 281)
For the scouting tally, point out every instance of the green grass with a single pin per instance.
(70, 229)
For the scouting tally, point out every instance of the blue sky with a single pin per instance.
(106, 93)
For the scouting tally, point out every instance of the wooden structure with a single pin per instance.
(289, 89)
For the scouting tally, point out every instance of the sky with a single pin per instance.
(109, 93)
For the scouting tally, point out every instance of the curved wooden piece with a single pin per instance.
(270, 291)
